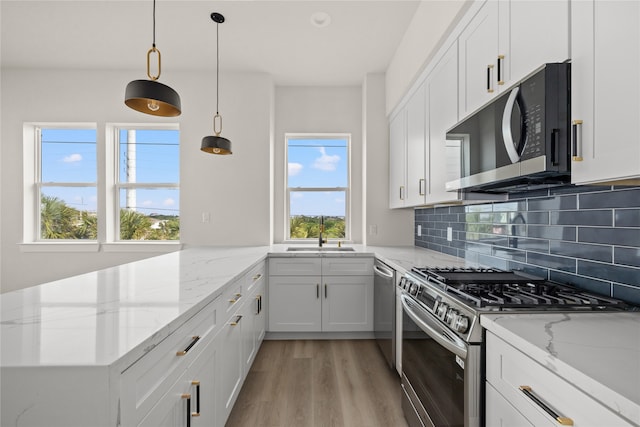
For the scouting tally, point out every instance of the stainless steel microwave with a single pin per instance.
(520, 140)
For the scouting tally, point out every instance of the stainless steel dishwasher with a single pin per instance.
(384, 310)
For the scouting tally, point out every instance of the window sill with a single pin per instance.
(155, 247)
(60, 247)
(158, 247)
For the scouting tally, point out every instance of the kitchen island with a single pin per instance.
(77, 338)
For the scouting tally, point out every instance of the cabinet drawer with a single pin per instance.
(144, 382)
(508, 369)
(352, 266)
(295, 266)
(232, 298)
(254, 277)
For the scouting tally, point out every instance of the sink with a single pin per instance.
(318, 249)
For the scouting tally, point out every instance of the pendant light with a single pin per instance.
(216, 144)
(151, 96)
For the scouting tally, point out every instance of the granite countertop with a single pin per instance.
(113, 315)
(599, 353)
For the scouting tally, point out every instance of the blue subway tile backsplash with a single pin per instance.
(586, 236)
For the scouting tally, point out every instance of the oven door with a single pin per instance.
(440, 372)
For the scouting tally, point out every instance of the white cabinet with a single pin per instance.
(605, 92)
(416, 148)
(444, 155)
(504, 42)
(230, 368)
(397, 160)
(335, 296)
(517, 385)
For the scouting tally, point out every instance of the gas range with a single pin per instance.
(459, 295)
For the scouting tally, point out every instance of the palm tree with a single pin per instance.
(88, 227)
(57, 220)
(134, 225)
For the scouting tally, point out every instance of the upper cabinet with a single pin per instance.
(397, 159)
(504, 42)
(605, 92)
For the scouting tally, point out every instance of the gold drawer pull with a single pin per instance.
(235, 322)
(188, 397)
(193, 342)
(235, 300)
(197, 384)
(528, 391)
(257, 276)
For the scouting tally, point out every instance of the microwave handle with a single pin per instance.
(507, 134)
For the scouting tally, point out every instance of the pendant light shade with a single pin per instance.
(151, 96)
(216, 144)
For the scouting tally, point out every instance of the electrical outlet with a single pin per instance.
(206, 217)
(419, 230)
(449, 234)
(373, 230)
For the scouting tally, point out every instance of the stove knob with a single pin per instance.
(442, 310)
(462, 324)
(451, 316)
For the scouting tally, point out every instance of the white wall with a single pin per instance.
(431, 23)
(318, 110)
(234, 189)
(382, 226)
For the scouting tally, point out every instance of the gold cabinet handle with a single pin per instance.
(317, 290)
(187, 396)
(197, 384)
(235, 300)
(235, 322)
(258, 304)
(576, 141)
(257, 276)
(528, 391)
(325, 291)
(500, 70)
(193, 342)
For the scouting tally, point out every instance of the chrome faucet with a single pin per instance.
(320, 239)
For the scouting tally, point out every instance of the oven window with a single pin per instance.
(434, 375)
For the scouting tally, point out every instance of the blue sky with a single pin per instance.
(317, 163)
(70, 156)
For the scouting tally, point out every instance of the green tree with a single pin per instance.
(57, 220)
(88, 226)
(134, 225)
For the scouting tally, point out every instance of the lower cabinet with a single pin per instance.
(230, 367)
(521, 392)
(335, 296)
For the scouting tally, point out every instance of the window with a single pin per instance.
(147, 186)
(86, 192)
(66, 176)
(318, 168)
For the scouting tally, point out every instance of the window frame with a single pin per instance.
(288, 190)
(107, 194)
(114, 221)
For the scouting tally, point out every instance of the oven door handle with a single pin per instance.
(422, 319)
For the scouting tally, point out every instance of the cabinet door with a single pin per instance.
(295, 304)
(260, 319)
(500, 413)
(347, 304)
(524, 49)
(192, 399)
(416, 141)
(443, 114)
(230, 366)
(397, 160)
(249, 312)
(605, 93)
(478, 57)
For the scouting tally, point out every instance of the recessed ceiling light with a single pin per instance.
(320, 19)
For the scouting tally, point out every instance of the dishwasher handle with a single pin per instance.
(381, 271)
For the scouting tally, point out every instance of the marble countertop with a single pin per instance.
(599, 353)
(113, 315)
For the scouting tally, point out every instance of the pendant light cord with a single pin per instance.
(154, 23)
(217, 65)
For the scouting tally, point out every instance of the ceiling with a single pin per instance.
(276, 37)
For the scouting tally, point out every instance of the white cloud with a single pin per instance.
(294, 169)
(325, 162)
(72, 158)
(169, 202)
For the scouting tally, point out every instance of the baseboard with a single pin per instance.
(319, 336)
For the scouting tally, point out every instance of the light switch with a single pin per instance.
(206, 217)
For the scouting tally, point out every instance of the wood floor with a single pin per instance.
(319, 383)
